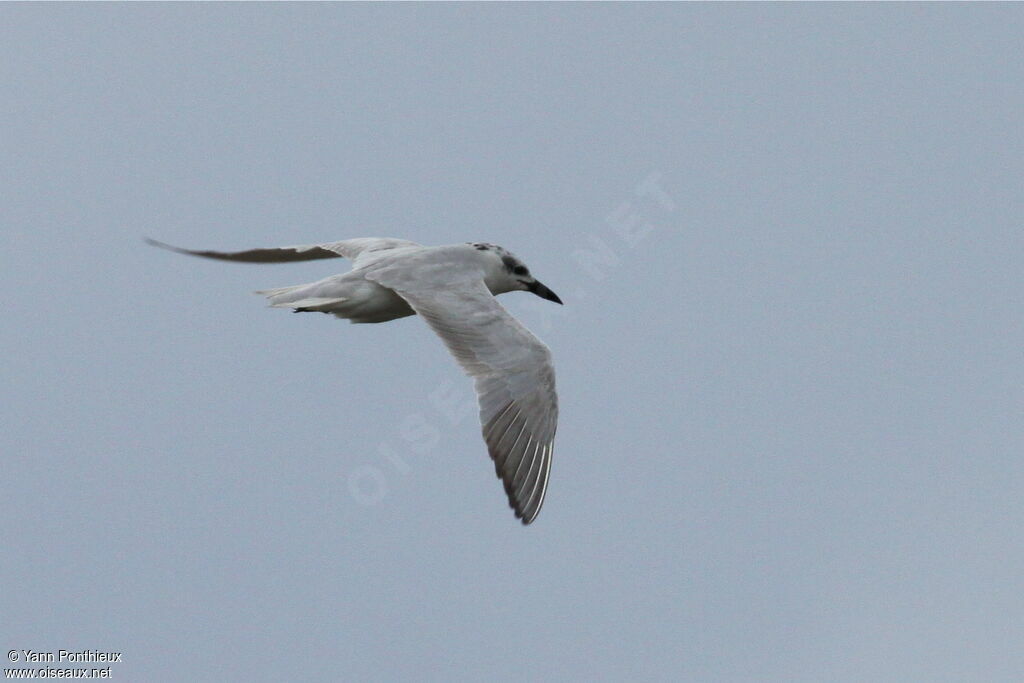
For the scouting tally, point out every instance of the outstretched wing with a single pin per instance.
(515, 381)
(350, 249)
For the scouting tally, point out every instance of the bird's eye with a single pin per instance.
(520, 270)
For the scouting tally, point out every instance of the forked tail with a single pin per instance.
(292, 297)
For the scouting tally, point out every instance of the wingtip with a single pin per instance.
(163, 245)
(520, 512)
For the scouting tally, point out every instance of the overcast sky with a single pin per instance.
(789, 241)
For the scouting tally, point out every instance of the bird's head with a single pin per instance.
(504, 272)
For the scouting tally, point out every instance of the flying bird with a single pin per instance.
(453, 288)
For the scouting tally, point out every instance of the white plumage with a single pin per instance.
(452, 287)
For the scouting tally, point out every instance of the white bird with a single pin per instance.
(453, 288)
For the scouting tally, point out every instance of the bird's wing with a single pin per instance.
(354, 249)
(515, 381)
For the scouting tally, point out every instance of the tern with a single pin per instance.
(452, 287)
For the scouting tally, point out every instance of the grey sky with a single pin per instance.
(790, 439)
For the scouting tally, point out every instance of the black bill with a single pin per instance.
(543, 292)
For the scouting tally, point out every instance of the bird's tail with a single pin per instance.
(294, 297)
